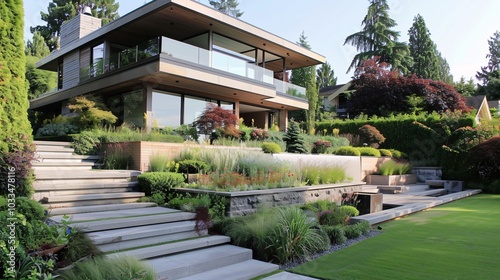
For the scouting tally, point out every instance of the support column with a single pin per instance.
(283, 119)
(148, 107)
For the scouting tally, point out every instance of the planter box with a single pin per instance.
(427, 173)
(391, 180)
(246, 202)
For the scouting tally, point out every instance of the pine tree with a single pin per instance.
(423, 51)
(493, 60)
(302, 75)
(294, 141)
(15, 128)
(228, 7)
(325, 76)
(377, 39)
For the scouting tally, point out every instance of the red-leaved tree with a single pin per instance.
(379, 91)
(214, 117)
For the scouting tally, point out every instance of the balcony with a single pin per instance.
(179, 50)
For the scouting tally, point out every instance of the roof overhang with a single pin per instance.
(183, 19)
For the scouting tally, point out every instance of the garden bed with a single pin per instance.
(246, 202)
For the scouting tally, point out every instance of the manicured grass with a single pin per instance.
(459, 240)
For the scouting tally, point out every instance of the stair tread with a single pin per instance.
(100, 208)
(61, 187)
(193, 262)
(134, 221)
(239, 271)
(35, 164)
(80, 197)
(83, 174)
(174, 247)
(52, 143)
(116, 214)
(122, 234)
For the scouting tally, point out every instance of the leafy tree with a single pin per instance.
(40, 81)
(381, 92)
(228, 7)
(91, 112)
(60, 11)
(294, 141)
(16, 129)
(490, 74)
(378, 39)
(325, 76)
(214, 117)
(465, 88)
(312, 98)
(444, 70)
(423, 51)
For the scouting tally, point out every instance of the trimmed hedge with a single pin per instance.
(369, 151)
(271, 148)
(346, 151)
(159, 182)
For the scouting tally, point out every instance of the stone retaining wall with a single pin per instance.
(247, 202)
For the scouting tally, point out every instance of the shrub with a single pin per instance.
(91, 111)
(158, 163)
(116, 156)
(320, 205)
(86, 143)
(57, 129)
(294, 140)
(484, 160)
(336, 234)
(101, 268)
(350, 211)
(369, 151)
(398, 154)
(214, 117)
(333, 217)
(15, 170)
(188, 132)
(315, 175)
(392, 167)
(258, 134)
(271, 148)
(352, 231)
(193, 166)
(30, 209)
(320, 146)
(159, 182)
(371, 135)
(385, 153)
(347, 151)
(79, 245)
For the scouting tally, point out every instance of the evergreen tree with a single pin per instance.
(490, 74)
(312, 98)
(294, 141)
(423, 51)
(60, 11)
(16, 129)
(228, 7)
(378, 39)
(465, 88)
(325, 76)
(302, 75)
(444, 70)
(39, 81)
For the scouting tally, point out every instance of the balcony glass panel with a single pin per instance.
(290, 89)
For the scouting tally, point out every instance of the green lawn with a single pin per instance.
(459, 240)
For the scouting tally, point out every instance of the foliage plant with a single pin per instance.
(214, 117)
(392, 167)
(321, 146)
(158, 163)
(116, 156)
(484, 160)
(347, 151)
(193, 166)
(371, 135)
(336, 234)
(315, 174)
(369, 151)
(15, 169)
(294, 140)
(215, 204)
(385, 153)
(159, 182)
(101, 268)
(91, 112)
(271, 148)
(56, 129)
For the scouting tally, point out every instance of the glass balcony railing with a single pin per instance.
(176, 49)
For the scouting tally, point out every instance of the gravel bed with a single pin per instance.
(332, 249)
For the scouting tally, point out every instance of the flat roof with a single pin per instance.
(183, 19)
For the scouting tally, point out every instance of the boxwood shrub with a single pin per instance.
(271, 148)
(159, 182)
(369, 151)
(346, 151)
(385, 153)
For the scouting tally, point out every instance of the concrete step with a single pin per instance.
(58, 183)
(116, 214)
(44, 156)
(109, 224)
(116, 198)
(52, 143)
(69, 198)
(99, 208)
(40, 196)
(240, 271)
(54, 149)
(137, 237)
(69, 175)
(96, 186)
(288, 276)
(63, 166)
(417, 188)
(175, 247)
(199, 261)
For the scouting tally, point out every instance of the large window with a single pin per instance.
(97, 66)
(166, 109)
(193, 107)
(133, 108)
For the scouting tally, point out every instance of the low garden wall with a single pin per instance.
(247, 202)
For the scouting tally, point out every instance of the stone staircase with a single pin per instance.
(103, 204)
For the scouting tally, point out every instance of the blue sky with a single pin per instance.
(460, 28)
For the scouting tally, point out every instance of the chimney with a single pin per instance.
(79, 26)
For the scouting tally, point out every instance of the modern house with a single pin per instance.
(163, 62)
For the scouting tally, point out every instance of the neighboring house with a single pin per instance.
(334, 99)
(495, 104)
(480, 104)
(163, 62)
